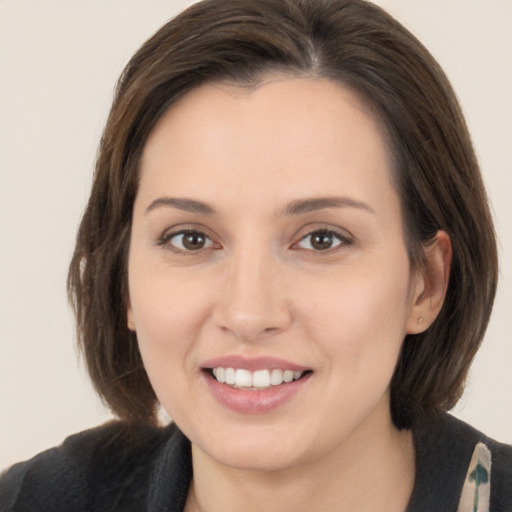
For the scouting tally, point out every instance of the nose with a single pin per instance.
(252, 301)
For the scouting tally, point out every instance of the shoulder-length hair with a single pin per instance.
(435, 172)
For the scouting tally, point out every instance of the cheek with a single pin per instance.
(168, 320)
(168, 314)
(359, 320)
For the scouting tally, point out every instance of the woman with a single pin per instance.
(287, 246)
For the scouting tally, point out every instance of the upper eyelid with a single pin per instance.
(185, 228)
(308, 230)
(172, 232)
(326, 230)
(342, 239)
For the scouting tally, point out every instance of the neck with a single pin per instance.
(368, 473)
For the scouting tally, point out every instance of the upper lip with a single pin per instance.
(252, 363)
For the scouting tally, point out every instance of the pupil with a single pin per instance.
(322, 241)
(193, 241)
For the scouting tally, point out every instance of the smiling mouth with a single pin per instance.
(240, 378)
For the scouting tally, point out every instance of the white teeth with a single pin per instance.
(276, 377)
(243, 378)
(230, 376)
(260, 379)
(221, 374)
(287, 376)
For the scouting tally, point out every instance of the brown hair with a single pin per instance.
(435, 172)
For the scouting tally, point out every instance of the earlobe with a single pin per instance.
(431, 285)
(129, 317)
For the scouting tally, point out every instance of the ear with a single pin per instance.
(431, 284)
(129, 316)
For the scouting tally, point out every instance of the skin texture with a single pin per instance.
(259, 287)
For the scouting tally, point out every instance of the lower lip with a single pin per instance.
(254, 401)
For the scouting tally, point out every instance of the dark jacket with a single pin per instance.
(118, 467)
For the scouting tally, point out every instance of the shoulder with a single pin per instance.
(97, 469)
(465, 437)
(445, 447)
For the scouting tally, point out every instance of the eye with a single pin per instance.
(322, 240)
(188, 240)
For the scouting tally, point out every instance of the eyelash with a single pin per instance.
(165, 240)
(342, 239)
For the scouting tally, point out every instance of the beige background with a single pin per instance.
(59, 60)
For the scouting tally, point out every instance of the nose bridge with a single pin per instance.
(252, 303)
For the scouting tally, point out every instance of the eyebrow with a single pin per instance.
(297, 207)
(186, 205)
(302, 206)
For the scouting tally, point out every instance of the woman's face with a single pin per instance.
(267, 246)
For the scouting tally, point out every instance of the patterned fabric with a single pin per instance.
(476, 493)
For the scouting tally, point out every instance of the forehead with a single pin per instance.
(285, 136)
(274, 102)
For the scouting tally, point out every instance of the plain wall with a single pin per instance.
(59, 61)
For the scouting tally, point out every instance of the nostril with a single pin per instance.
(248, 311)
(249, 329)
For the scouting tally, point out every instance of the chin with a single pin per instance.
(251, 450)
(254, 458)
